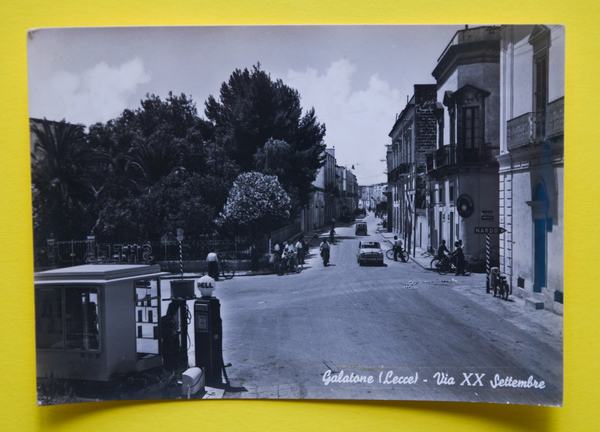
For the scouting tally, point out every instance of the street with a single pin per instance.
(295, 336)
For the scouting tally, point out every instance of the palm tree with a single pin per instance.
(153, 158)
(62, 171)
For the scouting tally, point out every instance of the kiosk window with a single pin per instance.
(49, 322)
(67, 318)
(81, 311)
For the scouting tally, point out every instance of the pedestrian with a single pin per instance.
(459, 258)
(442, 251)
(277, 251)
(213, 264)
(325, 249)
(300, 248)
(254, 257)
(284, 249)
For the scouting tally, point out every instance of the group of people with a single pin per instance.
(290, 251)
(443, 254)
(457, 256)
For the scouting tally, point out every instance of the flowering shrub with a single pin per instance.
(256, 203)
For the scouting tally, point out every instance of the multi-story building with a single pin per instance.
(350, 195)
(335, 195)
(413, 136)
(313, 214)
(532, 161)
(463, 171)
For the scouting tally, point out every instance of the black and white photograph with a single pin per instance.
(368, 212)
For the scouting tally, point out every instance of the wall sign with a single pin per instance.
(487, 214)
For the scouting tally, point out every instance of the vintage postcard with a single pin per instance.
(298, 212)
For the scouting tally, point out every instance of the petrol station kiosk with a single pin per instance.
(97, 322)
(94, 322)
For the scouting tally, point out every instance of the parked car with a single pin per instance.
(361, 228)
(369, 252)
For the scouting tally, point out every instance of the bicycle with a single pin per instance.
(446, 265)
(226, 269)
(403, 255)
(500, 284)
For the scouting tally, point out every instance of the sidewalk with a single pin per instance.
(421, 256)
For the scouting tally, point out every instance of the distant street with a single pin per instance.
(286, 336)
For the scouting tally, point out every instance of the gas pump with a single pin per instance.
(175, 325)
(208, 332)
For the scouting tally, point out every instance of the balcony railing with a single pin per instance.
(555, 118)
(401, 169)
(533, 128)
(450, 155)
(519, 131)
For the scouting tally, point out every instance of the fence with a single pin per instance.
(76, 252)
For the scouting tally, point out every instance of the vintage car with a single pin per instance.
(361, 228)
(369, 252)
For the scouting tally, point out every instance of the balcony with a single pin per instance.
(450, 155)
(399, 171)
(530, 129)
(555, 118)
(519, 131)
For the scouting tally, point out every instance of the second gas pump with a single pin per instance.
(208, 333)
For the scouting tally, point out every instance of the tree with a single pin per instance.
(177, 199)
(165, 168)
(257, 203)
(253, 110)
(65, 180)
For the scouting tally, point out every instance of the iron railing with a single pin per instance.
(77, 252)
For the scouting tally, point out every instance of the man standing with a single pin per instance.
(459, 258)
(300, 250)
(213, 265)
(254, 256)
(397, 247)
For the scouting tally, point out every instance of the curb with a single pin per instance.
(409, 256)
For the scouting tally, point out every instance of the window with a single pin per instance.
(49, 318)
(67, 318)
(451, 198)
(540, 40)
(471, 127)
(540, 94)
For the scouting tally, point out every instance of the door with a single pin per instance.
(539, 255)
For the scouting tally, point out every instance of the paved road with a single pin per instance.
(287, 335)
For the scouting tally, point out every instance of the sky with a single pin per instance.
(357, 78)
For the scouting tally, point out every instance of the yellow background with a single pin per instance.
(18, 410)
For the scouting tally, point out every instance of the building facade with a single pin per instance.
(334, 197)
(463, 171)
(413, 137)
(532, 161)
